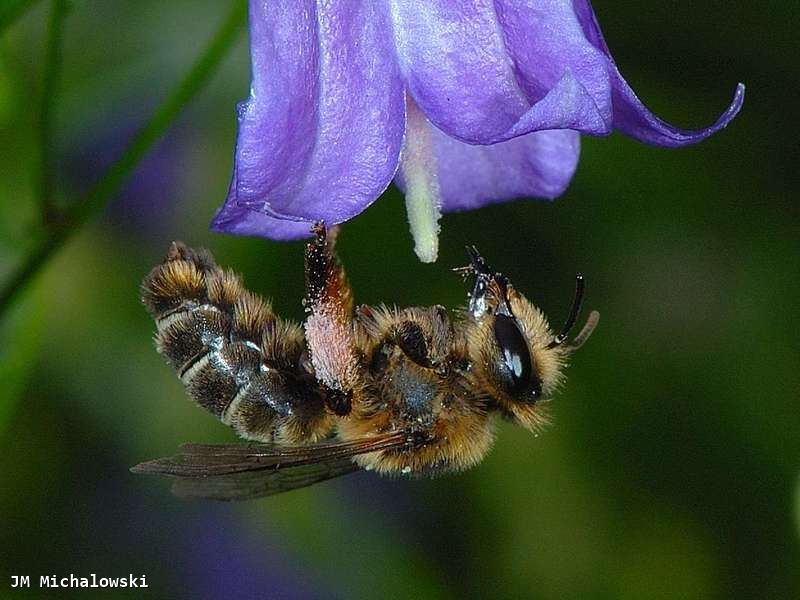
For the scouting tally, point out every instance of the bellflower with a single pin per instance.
(462, 103)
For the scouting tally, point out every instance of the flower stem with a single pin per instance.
(418, 168)
(95, 200)
(52, 68)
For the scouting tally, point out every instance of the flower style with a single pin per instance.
(462, 103)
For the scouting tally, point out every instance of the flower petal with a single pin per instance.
(547, 44)
(238, 219)
(485, 72)
(320, 136)
(537, 165)
(633, 118)
(488, 71)
(630, 115)
(455, 65)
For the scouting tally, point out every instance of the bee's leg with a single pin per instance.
(423, 334)
(326, 282)
(329, 324)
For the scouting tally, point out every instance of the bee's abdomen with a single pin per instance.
(235, 357)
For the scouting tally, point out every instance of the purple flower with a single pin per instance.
(462, 103)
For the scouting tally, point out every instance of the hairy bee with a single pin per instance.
(398, 391)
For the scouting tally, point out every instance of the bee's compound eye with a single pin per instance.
(516, 368)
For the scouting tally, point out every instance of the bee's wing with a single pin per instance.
(241, 471)
(247, 485)
(204, 460)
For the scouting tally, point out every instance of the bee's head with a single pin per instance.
(516, 357)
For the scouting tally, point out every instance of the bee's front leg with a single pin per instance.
(329, 325)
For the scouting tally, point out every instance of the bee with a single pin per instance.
(406, 391)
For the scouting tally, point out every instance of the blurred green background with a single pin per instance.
(673, 467)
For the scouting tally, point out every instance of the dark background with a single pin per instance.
(672, 469)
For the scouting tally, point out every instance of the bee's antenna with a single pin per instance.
(580, 288)
(580, 339)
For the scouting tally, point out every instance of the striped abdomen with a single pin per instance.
(235, 357)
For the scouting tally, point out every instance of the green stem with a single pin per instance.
(95, 200)
(52, 68)
(12, 10)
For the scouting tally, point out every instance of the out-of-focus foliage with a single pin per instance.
(671, 469)
(20, 334)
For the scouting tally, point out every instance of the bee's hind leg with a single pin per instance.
(329, 324)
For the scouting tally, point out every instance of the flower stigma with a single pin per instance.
(418, 169)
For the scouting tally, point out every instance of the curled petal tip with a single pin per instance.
(634, 119)
(735, 106)
(727, 116)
